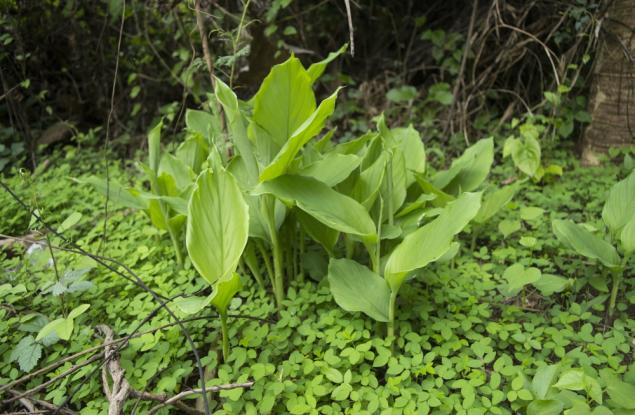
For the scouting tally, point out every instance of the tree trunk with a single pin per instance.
(612, 98)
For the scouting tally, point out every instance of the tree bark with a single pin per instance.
(612, 98)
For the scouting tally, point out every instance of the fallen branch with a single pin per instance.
(45, 404)
(171, 401)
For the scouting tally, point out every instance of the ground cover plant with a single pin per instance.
(462, 345)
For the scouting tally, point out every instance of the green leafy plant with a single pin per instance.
(618, 216)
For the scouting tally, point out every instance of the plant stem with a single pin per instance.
(267, 260)
(391, 316)
(616, 286)
(269, 205)
(176, 246)
(278, 288)
(225, 333)
(301, 255)
(350, 246)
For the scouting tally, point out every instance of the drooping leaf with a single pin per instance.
(468, 171)
(620, 205)
(324, 235)
(432, 241)
(217, 225)
(298, 138)
(317, 69)
(224, 290)
(333, 209)
(585, 243)
(356, 288)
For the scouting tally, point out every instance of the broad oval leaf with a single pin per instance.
(282, 104)
(431, 242)
(333, 209)
(217, 225)
(356, 288)
(627, 236)
(306, 131)
(468, 171)
(525, 154)
(620, 205)
(332, 169)
(494, 202)
(585, 243)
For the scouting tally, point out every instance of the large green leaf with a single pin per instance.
(356, 288)
(495, 201)
(324, 235)
(193, 152)
(217, 225)
(620, 206)
(543, 379)
(237, 130)
(627, 236)
(333, 209)
(621, 393)
(306, 131)
(317, 69)
(432, 241)
(282, 104)
(413, 149)
(200, 122)
(154, 147)
(468, 171)
(525, 154)
(183, 175)
(332, 169)
(394, 185)
(367, 185)
(585, 243)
